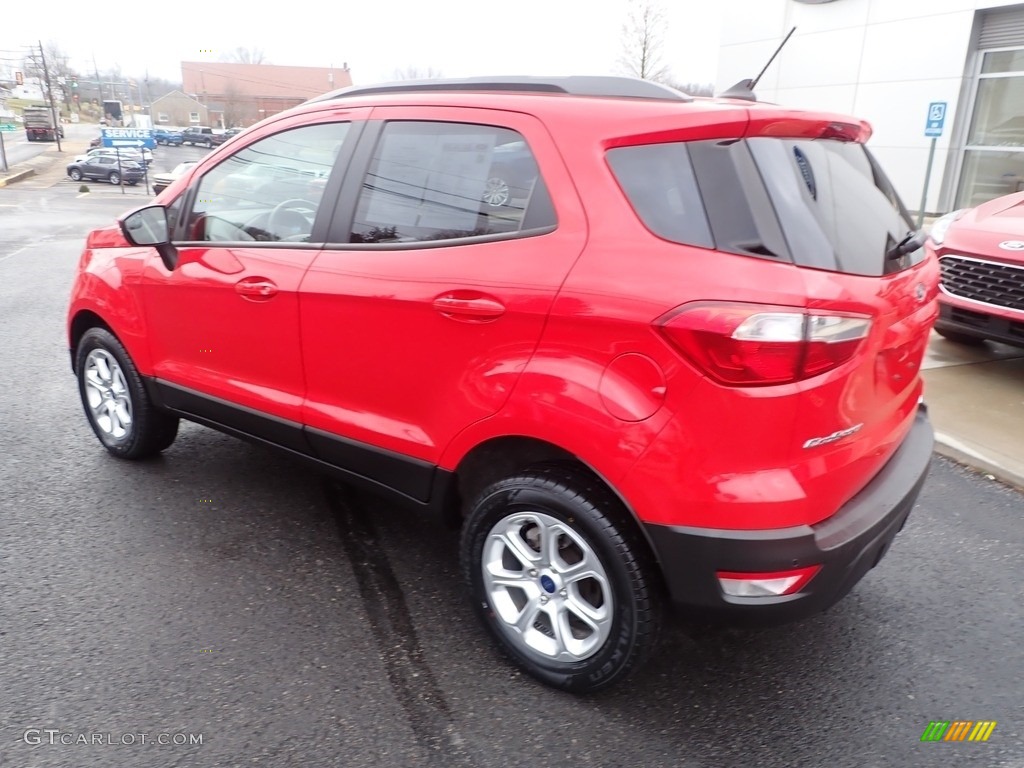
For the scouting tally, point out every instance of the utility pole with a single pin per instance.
(99, 82)
(53, 109)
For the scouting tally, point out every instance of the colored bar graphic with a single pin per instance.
(958, 730)
(982, 730)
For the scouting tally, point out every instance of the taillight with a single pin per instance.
(759, 344)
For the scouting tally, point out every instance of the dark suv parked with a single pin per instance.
(675, 360)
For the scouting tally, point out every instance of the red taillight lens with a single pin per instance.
(760, 345)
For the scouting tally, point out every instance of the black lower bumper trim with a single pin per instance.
(846, 545)
(980, 325)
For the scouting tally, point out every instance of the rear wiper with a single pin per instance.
(908, 244)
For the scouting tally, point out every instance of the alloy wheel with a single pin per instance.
(547, 586)
(107, 396)
(497, 192)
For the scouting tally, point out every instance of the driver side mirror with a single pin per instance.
(147, 226)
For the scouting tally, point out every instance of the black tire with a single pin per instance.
(131, 183)
(150, 430)
(75, 174)
(209, 144)
(960, 338)
(578, 502)
(114, 177)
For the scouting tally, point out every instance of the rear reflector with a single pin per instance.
(759, 344)
(771, 584)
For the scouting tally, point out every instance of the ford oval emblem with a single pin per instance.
(1012, 245)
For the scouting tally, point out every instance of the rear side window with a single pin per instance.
(441, 181)
(658, 179)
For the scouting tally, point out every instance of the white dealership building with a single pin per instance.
(888, 61)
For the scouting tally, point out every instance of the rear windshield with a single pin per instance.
(822, 203)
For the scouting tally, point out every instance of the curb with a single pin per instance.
(951, 448)
(17, 177)
(44, 161)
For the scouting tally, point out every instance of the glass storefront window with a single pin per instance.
(994, 159)
(1003, 61)
(998, 113)
(987, 175)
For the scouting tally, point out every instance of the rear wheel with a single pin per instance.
(209, 144)
(560, 578)
(119, 410)
(114, 177)
(960, 338)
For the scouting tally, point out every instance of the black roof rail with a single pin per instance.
(577, 85)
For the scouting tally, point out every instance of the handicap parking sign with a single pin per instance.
(936, 119)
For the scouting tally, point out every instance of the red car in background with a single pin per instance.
(981, 254)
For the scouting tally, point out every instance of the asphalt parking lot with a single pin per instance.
(222, 592)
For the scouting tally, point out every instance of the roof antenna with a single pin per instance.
(744, 89)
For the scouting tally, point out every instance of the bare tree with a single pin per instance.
(417, 73)
(237, 110)
(242, 55)
(61, 74)
(642, 41)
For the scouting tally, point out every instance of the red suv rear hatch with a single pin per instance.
(831, 378)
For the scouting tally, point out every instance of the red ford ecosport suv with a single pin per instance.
(641, 346)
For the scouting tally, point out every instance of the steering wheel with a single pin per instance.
(296, 208)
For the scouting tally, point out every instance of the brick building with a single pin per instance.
(243, 94)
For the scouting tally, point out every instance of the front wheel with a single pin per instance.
(75, 174)
(561, 578)
(115, 177)
(209, 144)
(119, 410)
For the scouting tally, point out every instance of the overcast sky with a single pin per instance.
(457, 37)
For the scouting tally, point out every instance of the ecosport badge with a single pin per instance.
(1012, 245)
(814, 442)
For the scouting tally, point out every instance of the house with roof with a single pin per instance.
(177, 109)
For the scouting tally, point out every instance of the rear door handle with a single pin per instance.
(256, 289)
(469, 307)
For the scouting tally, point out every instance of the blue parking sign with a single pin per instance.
(936, 119)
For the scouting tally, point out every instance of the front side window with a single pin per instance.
(270, 191)
(441, 181)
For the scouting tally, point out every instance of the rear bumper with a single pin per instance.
(846, 545)
(997, 324)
